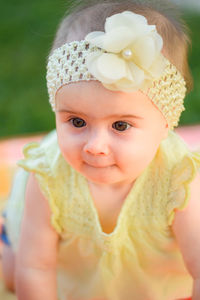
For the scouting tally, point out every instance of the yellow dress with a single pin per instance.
(140, 259)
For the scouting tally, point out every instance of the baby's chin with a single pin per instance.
(105, 175)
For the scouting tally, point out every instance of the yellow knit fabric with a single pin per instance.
(140, 259)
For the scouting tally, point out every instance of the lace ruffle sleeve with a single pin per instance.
(182, 175)
(34, 159)
(38, 158)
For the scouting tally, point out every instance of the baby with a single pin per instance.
(107, 206)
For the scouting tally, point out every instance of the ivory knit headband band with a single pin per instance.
(126, 57)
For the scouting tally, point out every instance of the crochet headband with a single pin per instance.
(126, 57)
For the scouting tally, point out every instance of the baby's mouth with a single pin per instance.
(98, 165)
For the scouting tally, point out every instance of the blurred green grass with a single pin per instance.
(192, 101)
(27, 30)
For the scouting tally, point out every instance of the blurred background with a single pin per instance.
(27, 30)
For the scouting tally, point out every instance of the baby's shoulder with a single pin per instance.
(186, 227)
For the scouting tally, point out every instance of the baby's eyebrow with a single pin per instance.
(107, 117)
(125, 116)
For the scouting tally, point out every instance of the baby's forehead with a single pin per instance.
(92, 96)
(94, 89)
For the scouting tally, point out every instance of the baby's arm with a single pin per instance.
(186, 227)
(35, 276)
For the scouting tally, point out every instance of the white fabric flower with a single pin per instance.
(133, 53)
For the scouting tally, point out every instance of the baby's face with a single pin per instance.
(109, 137)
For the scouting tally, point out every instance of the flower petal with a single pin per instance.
(96, 38)
(118, 39)
(144, 50)
(132, 82)
(91, 63)
(158, 41)
(111, 87)
(111, 67)
(123, 85)
(134, 22)
(135, 74)
(106, 67)
(113, 41)
(127, 18)
(157, 67)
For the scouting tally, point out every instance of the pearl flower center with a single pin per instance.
(127, 54)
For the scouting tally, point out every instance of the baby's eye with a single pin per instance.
(121, 125)
(77, 122)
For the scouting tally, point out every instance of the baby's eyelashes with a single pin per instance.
(118, 125)
(121, 125)
(77, 122)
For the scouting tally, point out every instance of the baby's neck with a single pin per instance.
(109, 193)
(108, 201)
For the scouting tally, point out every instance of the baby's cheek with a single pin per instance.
(71, 154)
(138, 160)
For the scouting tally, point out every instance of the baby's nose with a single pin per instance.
(97, 144)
